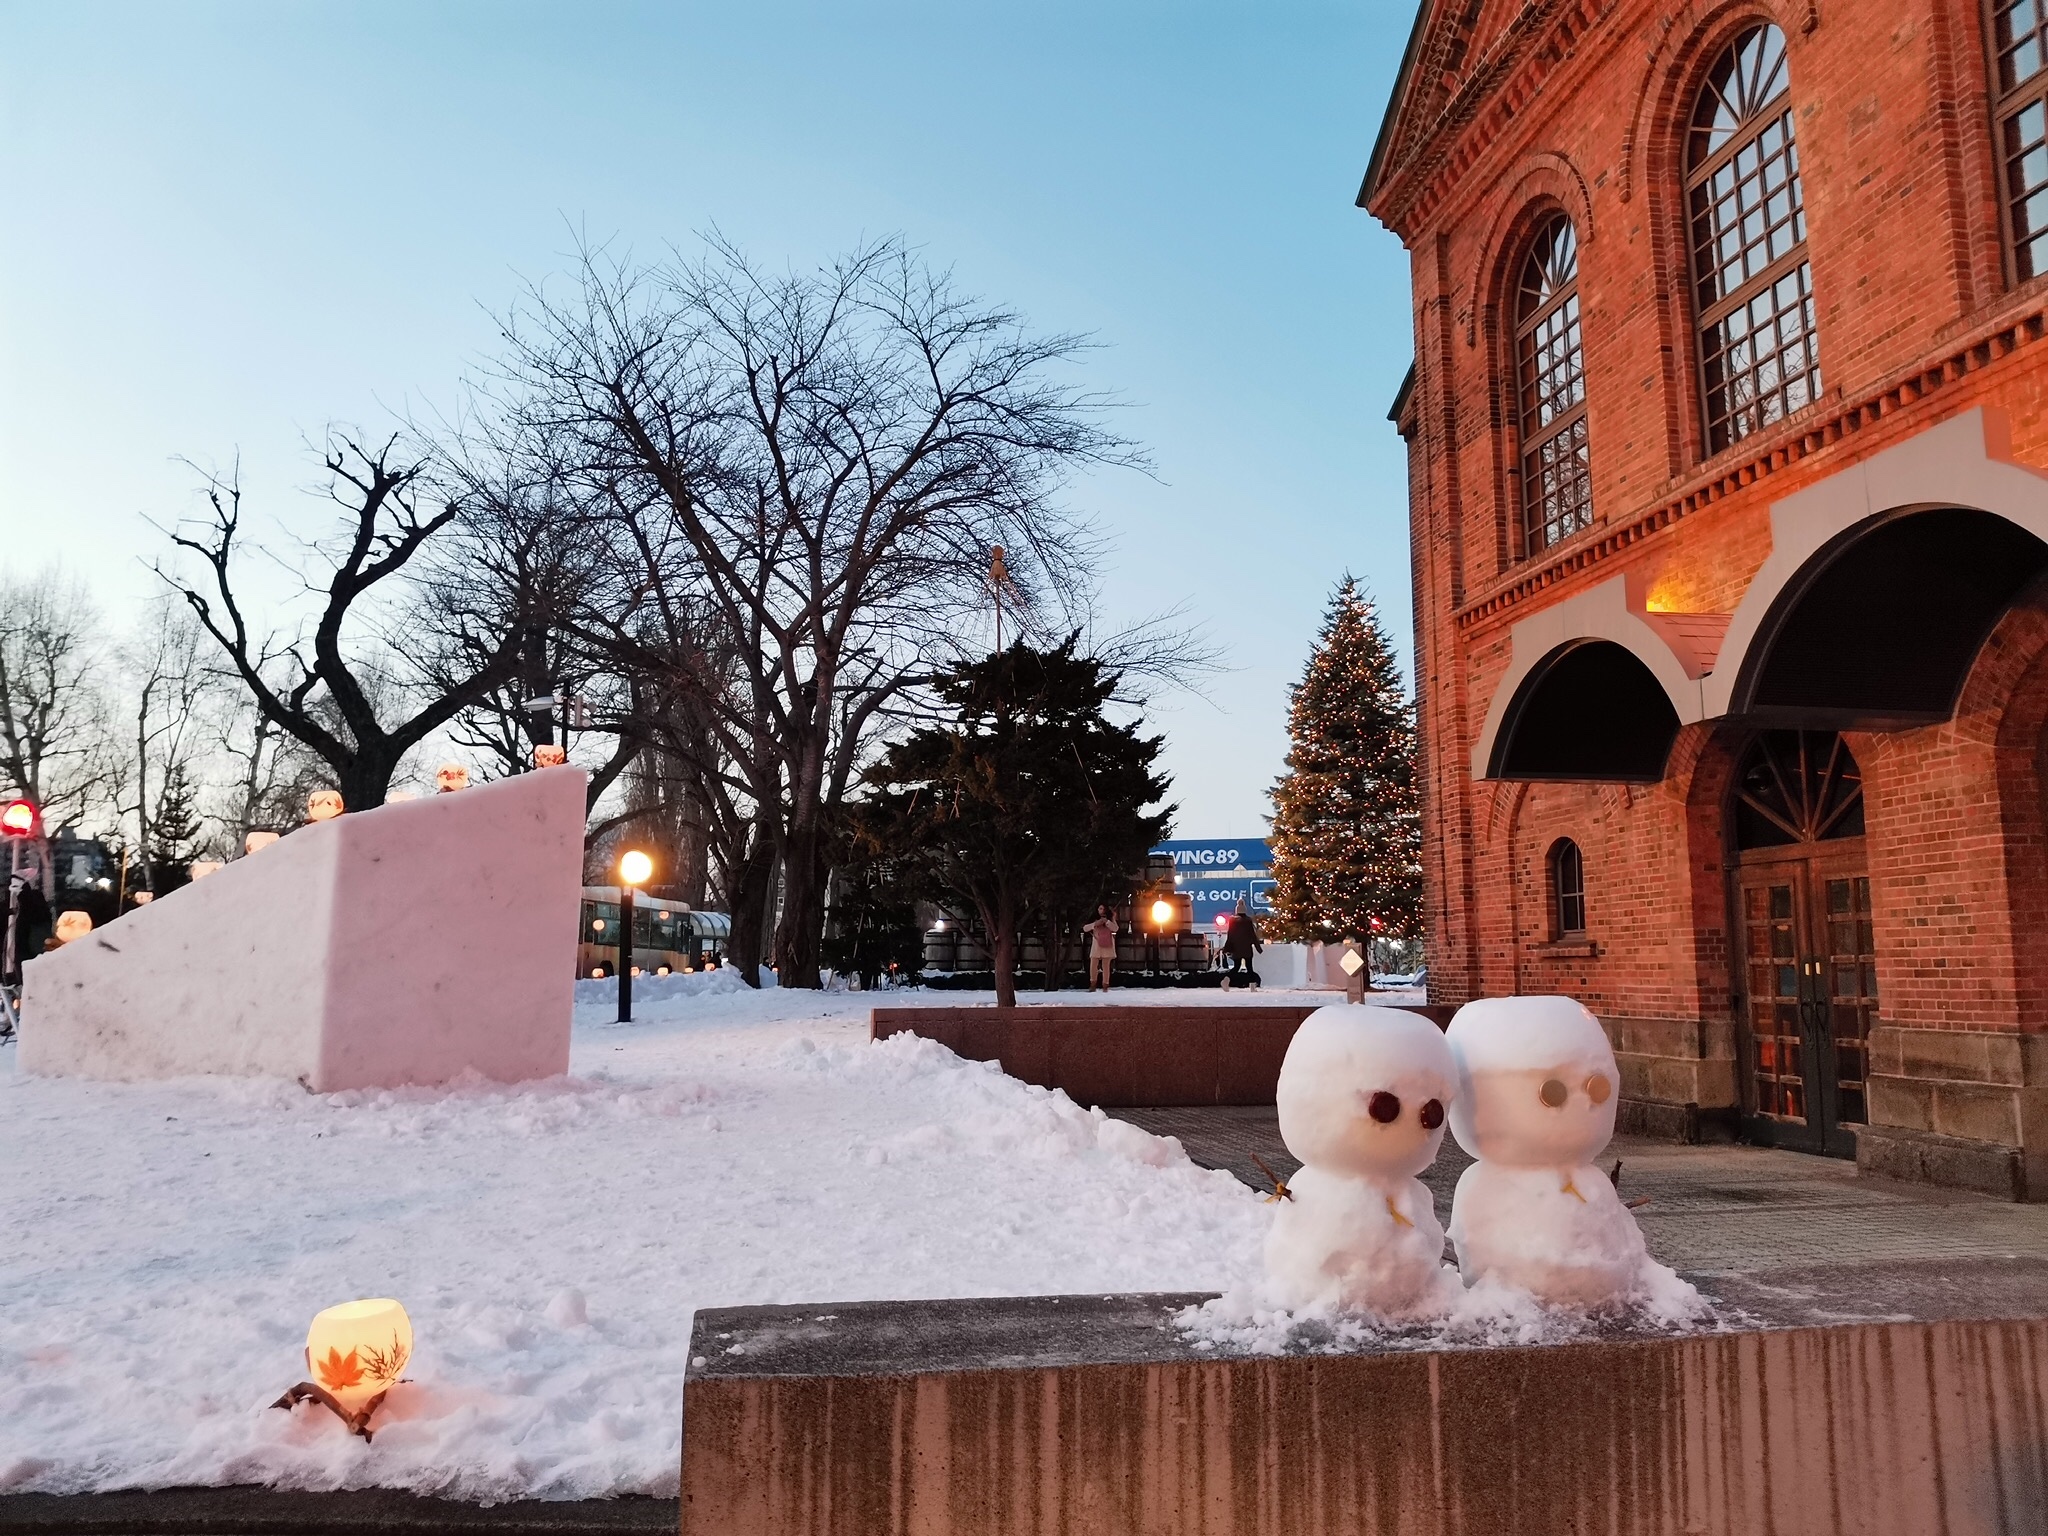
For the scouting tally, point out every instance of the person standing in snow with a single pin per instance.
(1101, 946)
(1239, 941)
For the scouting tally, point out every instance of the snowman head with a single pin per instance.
(1536, 1082)
(1363, 1091)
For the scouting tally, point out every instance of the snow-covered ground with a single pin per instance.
(162, 1246)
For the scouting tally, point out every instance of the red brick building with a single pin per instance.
(1729, 489)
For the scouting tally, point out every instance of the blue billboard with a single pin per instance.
(1217, 873)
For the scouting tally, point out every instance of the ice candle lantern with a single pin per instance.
(354, 1353)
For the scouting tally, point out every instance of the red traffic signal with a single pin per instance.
(18, 819)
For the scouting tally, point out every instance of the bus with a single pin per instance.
(668, 937)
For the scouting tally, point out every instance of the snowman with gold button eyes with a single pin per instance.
(1361, 1098)
(1535, 1105)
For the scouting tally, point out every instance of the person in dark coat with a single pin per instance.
(22, 905)
(1240, 941)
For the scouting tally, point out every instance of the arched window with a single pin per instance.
(2019, 45)
(1550, 374)
(1567, 889)
(1759, 355)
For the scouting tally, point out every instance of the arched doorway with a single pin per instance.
(1806, 971)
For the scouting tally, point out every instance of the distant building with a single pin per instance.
(1728, 469)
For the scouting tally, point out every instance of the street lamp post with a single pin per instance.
(635, 868)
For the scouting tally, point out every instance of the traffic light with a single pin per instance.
(18, 818)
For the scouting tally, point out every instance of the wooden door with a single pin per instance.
(1809, 998)
(1806, 976)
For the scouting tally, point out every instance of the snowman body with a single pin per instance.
(1362, 1098)
(1537, 1085)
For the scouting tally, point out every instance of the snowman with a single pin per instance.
(1361, 1099)
(1535, 1105)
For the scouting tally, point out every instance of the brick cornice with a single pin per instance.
(1533, 46)
(1812, 432)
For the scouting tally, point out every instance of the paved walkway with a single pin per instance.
(1712, 1209)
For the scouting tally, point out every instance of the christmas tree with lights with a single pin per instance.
(1347, 836)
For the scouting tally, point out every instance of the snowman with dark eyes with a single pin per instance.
(1361, 1097)
(1535, 1105)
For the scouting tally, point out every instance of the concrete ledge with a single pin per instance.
(1989, 1167)
(1131, 1057)
(364, 1512)
(1116, 1057)
(1688, 1123)
(1054, 1416)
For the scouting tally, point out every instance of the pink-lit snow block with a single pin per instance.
(408, 944)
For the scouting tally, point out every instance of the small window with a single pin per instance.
(2019, 87)
(1567, 888)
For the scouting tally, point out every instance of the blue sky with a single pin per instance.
(231, 224)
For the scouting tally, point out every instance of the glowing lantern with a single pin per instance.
(323, 805)
(355, 1353)
(1162, 912)
(258, 840)
(597, 973)
(73, 925)
(143, 898)
(398, 795)
(549, 757)
(18, 819)
(201, 868)
(635, 868)
(450, 777)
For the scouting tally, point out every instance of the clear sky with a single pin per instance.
(230, 224)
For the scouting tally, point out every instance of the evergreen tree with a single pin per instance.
(1029, 799)
(1347, 838)
(174, 830)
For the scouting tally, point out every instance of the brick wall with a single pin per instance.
(1567, 106)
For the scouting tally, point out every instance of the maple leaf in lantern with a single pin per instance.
(338, 1370)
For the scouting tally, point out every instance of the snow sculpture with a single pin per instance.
(406, 944)
(1535, 1105)
(1361, 1099)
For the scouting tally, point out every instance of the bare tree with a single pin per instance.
(326, 693)
(822, 464)
(56, 747)
(167, 683)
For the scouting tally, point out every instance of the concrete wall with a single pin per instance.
(1869, 1429)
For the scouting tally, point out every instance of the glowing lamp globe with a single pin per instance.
(19, 818)
(354, 1352)
(72, 926)
(635, 868)
(1162, 912)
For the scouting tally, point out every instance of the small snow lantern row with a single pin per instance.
(354, 1353)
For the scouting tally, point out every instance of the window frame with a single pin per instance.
(1567, 896)
(1709, 318)
(1525, 370)
(2007, 104)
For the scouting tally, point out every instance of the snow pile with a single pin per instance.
(163, 1245)
(1253, 1319)
(597, 998)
